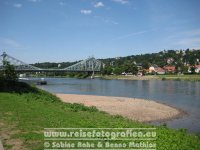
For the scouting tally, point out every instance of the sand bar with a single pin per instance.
(136, 109)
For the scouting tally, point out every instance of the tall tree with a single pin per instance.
(9, 72)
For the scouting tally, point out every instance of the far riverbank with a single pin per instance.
(175, 77)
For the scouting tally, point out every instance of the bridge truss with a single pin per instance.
(89, 65)
(18, 64)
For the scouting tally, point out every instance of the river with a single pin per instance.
(181, 94)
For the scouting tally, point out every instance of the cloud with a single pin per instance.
(106, 20)
(189, 42)
(86, 12)
(185, 39)
(61, 3)
(99, 4)
(194, 32)
(130, 35)
(34, 1)
(121, 1)
(17, 5)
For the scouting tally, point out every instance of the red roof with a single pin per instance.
(159, 69)
(197, 66)
(169, 68)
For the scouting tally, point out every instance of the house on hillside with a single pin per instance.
(156, 69)
(152, 68)
(170, 69)
(170, 60)
(139, 66)
(197, 68)
(160, 70)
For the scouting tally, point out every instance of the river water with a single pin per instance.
(181, 94)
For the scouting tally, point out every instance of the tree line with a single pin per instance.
(181, 59)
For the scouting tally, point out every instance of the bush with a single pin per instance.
(80, 107)
(8, 72)
(12, 86)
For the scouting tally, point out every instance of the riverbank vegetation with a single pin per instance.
(188, 77)
(174, 64)
(180, 77)
(130, 77)
(79, 75)
(25, 111)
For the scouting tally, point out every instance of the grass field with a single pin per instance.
(24, 116)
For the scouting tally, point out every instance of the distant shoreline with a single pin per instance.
(130, 77)
(132, 108)
(194, 78)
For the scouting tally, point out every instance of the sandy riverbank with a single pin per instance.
(132, 108)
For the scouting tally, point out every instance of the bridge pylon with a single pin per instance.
(18, 64)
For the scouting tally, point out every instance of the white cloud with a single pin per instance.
(121, 1)
(61, 3)
(194, 32)
(17, 5)
(189, 41)
(106, 20)
(86, 12)
(130, 35)
(34, 1)
(190, 38)
(99, 4)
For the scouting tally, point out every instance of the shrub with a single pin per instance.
(8, 72)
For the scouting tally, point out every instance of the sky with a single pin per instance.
(69, 30)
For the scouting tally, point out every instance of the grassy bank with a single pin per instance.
(155, 77)
(180, 77)
(24, 113)
(123, 77)
(62, 75)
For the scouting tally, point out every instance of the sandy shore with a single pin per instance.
(132, 108)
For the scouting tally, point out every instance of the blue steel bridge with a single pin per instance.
(89, 65)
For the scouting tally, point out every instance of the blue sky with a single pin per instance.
(69, 30)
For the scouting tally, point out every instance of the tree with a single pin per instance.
(130, 67)
(179, 66)
(8, 72)
(117, 71)
(134, 69)
(192, 70)
(145, 65)
(107, 70)
(184, 69)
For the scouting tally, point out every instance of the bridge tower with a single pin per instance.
(3, 58)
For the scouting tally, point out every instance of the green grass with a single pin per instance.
(111, 77)
(195, 77)
(189, 77)
(24, 116)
